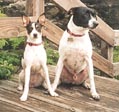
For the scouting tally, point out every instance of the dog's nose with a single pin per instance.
(35, 35)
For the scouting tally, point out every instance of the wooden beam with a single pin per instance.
(54, 34)
(103, 64)
(11, 27)
(103, 30)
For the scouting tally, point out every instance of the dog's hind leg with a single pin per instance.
(21, 80)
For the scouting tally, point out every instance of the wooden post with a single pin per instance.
(29, 7)
(38, 7)
(107, 51)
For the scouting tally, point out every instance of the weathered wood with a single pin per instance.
(116, 68)
(103, 30)
(8, 107)
(71, 99)
(103, 64)
(29, 7)
(116, 37)
(38, 7)
(54, 34)
(11, 27)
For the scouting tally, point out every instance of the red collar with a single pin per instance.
(33, 44)
(75, 35)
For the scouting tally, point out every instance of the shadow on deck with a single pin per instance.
(71, 98)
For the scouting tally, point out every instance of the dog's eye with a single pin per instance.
(29, 29)
(38, 27)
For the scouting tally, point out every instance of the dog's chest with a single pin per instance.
(75, 60)
(34, 55)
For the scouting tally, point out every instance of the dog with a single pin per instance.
(35, 71)
(75, 51)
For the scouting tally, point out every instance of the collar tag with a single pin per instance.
(70, 39)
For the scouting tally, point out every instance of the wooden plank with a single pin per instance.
(34, 103)
(103, 30)
(116, 68)
(71, 99)
(8, 107)
(11, 27)
(54, 34)
(103, 64)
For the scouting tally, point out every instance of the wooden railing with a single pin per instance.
(12, 27)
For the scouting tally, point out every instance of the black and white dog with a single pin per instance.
(75, 50)
(35, 71)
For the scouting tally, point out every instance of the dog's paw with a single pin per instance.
(53, 93)
(96, 96)
(23, 98)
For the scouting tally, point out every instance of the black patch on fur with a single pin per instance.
(82, 15)
(30, 28)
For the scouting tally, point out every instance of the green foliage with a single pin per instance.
(10, 56)
(116, 54)
(16, 43)
(52, 53)
(9, 63)
(3, 42)
(52, 56)
(2, 15)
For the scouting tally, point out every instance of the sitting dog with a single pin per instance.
(75, 50)
(35, 71)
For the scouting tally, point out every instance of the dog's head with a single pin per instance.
(33, 28)
(84, 17)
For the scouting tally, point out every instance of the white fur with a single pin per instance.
(34, 56)
(83, 45)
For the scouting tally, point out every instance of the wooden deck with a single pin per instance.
(71, 99)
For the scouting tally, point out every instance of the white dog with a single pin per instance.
(75, 50)
(35, 71)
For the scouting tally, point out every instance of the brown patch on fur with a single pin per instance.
(67, 77)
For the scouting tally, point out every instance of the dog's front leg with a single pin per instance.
(58, 73)
(94, 94)
(47, 79)
(26, 86)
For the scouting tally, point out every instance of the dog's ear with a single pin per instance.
(41, 19)
(26, 20)
(72, 11)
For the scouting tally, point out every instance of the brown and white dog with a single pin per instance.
(75, 50)
(35, 71)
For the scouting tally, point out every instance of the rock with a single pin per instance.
(9, 1)
(15, 9)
